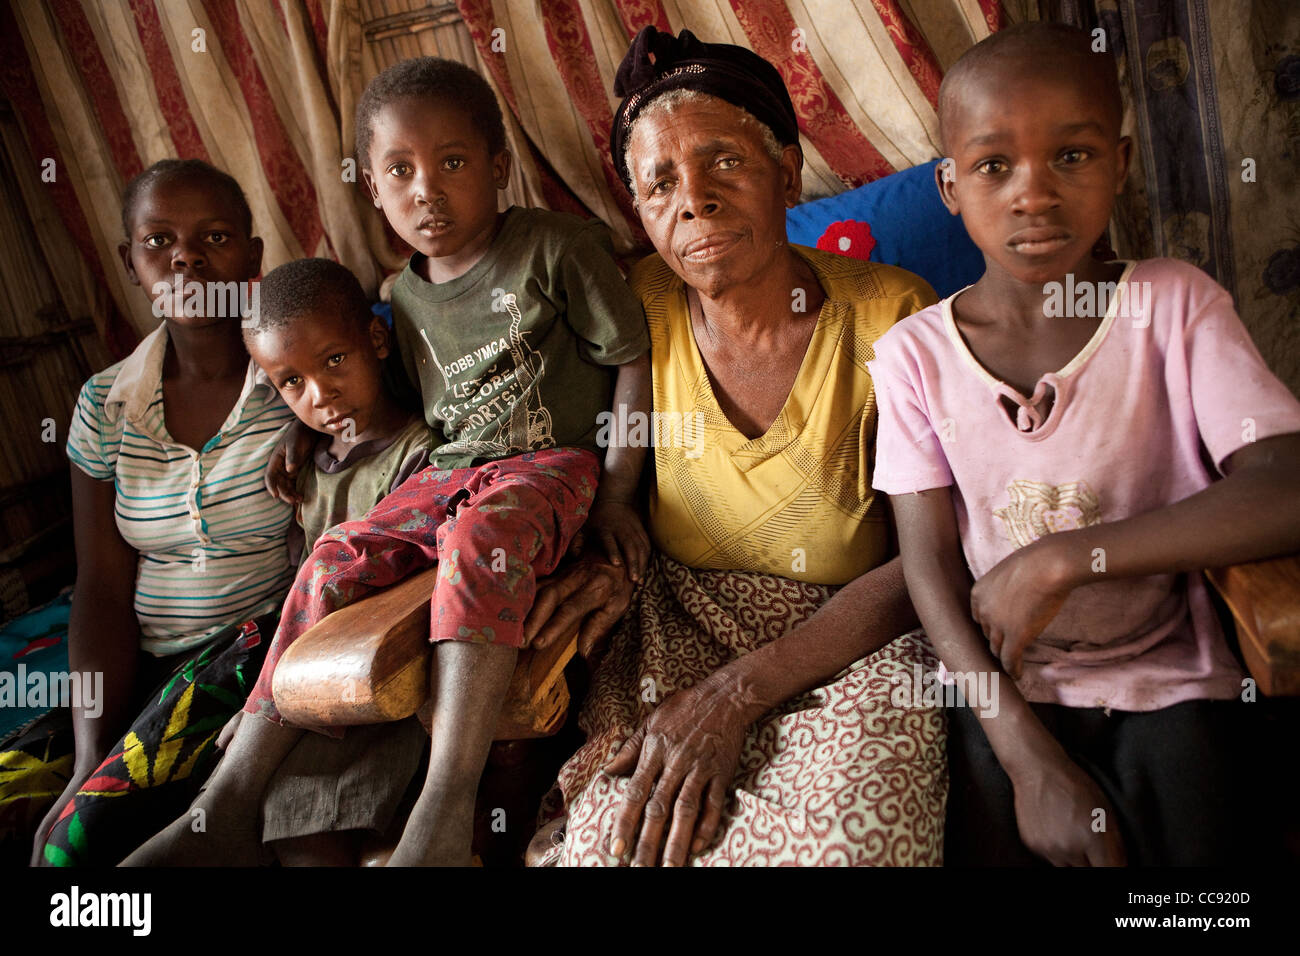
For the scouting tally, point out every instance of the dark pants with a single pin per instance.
(1186, 783)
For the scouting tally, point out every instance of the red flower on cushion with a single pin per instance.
(848, 238)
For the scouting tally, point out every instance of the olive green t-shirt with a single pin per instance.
(512, 356)
(336, 491)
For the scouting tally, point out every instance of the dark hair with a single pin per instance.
(172, 170)
(446, 81)
(1068, 48)
(305, 286)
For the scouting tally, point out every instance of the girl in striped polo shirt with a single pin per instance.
(180, 550)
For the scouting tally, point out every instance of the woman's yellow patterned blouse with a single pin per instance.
(796, 501)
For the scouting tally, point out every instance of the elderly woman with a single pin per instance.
(744, 712)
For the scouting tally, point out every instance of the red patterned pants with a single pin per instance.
(492, 530)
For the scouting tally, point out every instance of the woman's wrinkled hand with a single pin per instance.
(291, 451)
(1015, 601)
(682, 760)
(1057, 813)
(588, 596)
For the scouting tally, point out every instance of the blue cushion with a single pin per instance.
(899, 220)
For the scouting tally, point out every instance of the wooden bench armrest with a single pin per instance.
(538, 699)
(1264, 597)
(368, 663)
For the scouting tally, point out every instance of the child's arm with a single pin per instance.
(282, 469)
(1054, 798)
(1253, 513)
(614, 516)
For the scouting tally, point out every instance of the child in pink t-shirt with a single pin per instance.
(1079, 498)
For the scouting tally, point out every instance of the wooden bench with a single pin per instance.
(368, 663)
(1264, 597)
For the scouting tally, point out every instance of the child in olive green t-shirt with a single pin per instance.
(318, 343)
(323, 351)
(504, 320)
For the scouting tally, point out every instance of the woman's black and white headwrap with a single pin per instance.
(659, 62)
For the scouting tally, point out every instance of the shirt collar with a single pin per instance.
(139, 380)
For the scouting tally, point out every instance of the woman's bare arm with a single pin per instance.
(103, 633)
(862, 617)
(684, 756)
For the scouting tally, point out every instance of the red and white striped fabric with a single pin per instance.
(265, 89)
(107, 88)
(864, 77)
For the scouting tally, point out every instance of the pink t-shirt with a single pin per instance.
(1169, 386)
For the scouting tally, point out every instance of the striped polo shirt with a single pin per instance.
(211, 540)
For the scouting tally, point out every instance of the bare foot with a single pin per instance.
(213, 832)
(439, 831)
(223, 826)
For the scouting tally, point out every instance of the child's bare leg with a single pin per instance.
(468, 683)
(335, 848)
(223, 825)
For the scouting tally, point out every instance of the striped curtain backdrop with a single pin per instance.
(266, 89)
(104, 89)
(864, 77)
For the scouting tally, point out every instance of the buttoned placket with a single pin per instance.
(194, 499)
(194, 491)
